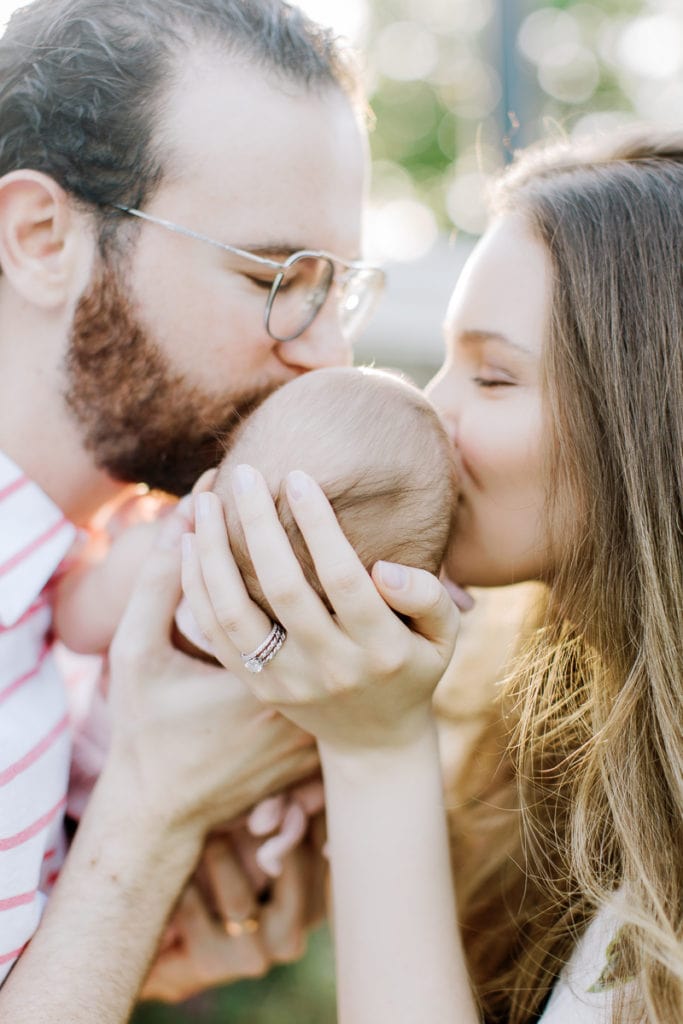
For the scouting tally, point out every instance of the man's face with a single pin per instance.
(168, 348)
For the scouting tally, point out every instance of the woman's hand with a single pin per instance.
(360, 678)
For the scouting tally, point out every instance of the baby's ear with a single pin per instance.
(205, 482)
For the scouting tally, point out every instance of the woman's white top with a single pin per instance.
(584, 991)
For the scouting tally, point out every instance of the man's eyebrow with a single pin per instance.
(477, 337)
(274, 250)
(281, 251)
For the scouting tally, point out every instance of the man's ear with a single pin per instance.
(41, 238)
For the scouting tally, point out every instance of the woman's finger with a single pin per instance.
(419, 595)
(235, 613)
(295, 603)
(205, 481)
(348, 586)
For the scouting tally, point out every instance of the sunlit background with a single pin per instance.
(456, 86)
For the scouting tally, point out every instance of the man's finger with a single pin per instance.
(310, 796)
(202, 956)
(157, 589)
(230, 890)
(283, 928)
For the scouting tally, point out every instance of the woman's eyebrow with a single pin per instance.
(477, 337)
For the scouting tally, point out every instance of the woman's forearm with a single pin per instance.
(399, 954)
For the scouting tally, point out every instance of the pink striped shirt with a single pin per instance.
(35, 740)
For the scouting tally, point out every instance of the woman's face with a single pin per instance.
(488, 394)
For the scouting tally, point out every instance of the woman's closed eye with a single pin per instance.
(492, 380)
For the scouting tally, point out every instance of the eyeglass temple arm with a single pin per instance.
(264, 261)
(188, 233)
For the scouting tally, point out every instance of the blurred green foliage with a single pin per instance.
(456, 85)
(301, 993)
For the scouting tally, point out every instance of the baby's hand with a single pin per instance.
(357, 678)
(282, 821)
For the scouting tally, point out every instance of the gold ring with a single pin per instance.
(236, 928)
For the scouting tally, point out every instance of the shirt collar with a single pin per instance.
(34, 538)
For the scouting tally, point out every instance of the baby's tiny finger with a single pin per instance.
(271, 854)
(266, 816)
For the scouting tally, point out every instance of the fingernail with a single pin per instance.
(265, 816)
(393, 575)
(202, 505)
(243, 479)
(269, 862)
(170, 531)
(184, 507)
(298, 484)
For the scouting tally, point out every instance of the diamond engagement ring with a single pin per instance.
(255, 660)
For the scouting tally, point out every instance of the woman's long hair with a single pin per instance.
(590, 804)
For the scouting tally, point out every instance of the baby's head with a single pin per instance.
(378, 450)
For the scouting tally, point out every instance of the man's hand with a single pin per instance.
(188, 739)
(204, 946)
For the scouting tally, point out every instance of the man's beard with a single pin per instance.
(141, 420)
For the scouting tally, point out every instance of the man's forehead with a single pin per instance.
(276, 165)
(217, 98)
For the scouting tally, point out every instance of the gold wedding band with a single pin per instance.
(236, 928)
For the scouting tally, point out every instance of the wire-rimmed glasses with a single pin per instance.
(301, 284)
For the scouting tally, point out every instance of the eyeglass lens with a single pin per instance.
(298, 296)
(360, 290)
(303, 287)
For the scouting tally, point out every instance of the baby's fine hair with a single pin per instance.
(378, 450)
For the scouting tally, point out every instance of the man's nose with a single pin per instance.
(321, 344)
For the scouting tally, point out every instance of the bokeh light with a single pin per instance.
(7, 9)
